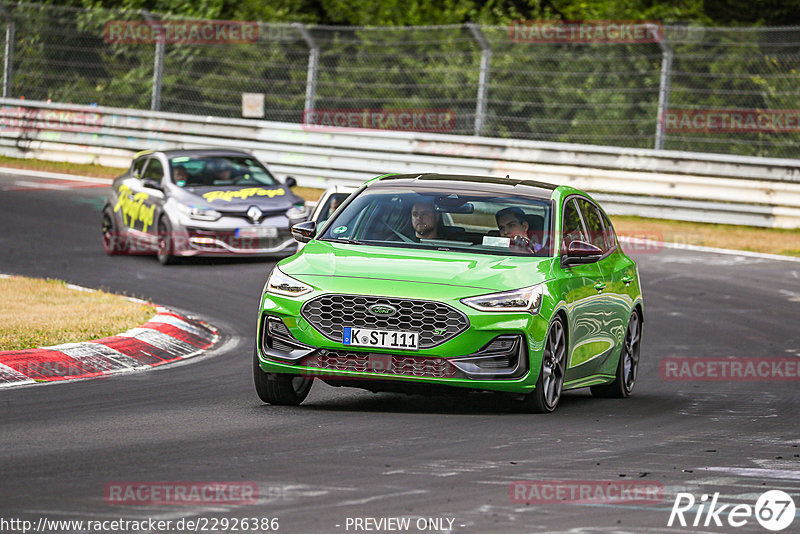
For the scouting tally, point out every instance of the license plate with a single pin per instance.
(262, 231)
(383, 339)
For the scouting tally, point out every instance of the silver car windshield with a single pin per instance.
(484, 223)
(189, 171)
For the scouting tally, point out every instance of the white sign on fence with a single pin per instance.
(253, 105)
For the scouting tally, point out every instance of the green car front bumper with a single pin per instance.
(491, 351)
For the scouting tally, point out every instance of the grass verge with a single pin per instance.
(40, 313)
(95, 171)
(772, 241)
(769, 240)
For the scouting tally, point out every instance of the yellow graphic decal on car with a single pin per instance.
(133, 208)
(227, 196)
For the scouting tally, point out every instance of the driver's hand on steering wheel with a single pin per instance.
(521, 243)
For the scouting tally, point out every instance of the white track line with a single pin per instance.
(56, 175)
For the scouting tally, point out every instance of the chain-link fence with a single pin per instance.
(691, 88)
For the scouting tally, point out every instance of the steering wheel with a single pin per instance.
(519, 242)
(402, 237)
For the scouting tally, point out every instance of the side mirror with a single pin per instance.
(290, 181)
(152, 184)
(581, 252)
(304, 232)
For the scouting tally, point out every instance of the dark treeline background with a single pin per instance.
(594, 93)
(429, 12)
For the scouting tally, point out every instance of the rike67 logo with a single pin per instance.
(774, 510)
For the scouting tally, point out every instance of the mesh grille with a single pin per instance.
(386, 364)
(239, 243)
(436, 322)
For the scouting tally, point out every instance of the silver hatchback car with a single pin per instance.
(179, 203)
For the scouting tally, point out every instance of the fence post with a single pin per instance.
(313, 67)
(158, 68)
(663, 89)
(483, 80)
(8, 52)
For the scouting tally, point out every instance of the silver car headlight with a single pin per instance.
(199, 213)
(298, 211)
(283, 284)
(527, 299)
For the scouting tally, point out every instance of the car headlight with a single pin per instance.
(298, 211)
(199, 213)
(283, 284)
(527, 299)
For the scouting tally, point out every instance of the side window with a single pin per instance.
(154, 170)
(138, 166)
(611, 237)
(333, 202)
(573, 228)
(591, 216)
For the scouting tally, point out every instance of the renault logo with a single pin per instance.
(254, 213)
(382, 310)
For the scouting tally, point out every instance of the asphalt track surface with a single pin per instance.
(347, 453)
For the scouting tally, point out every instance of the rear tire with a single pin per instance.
(113, 242)
(166, 243)
(280, 389)
(628, 365)
(544, 399)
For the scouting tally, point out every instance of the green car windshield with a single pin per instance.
(196, 171)
(447, 220)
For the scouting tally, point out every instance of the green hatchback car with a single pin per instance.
(423, 283)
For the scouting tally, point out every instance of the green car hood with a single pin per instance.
(479, 271)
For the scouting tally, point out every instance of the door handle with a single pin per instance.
(599, 286)
(627, 280)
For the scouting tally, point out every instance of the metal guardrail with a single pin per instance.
(676, 185)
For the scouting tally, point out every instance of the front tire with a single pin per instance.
(280, 389)
(628, 365)
(166, 242)
(113, 242)
(545, 397)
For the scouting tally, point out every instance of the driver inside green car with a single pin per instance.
(426, 220)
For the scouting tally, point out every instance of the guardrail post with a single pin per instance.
(663, 89)
(8, 52)
(313, 67)
(483, 80)
(158, 68)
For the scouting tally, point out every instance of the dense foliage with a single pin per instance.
(430, 12)
(596, 93)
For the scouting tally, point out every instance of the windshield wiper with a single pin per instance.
(343, 240)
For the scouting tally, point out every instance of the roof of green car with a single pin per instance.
(484, 183)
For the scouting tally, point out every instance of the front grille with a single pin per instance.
(436, 322)
(239, 243)
(385, 364)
